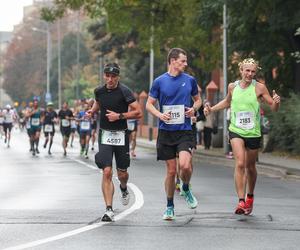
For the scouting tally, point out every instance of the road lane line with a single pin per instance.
(84, 163)
(139, 202)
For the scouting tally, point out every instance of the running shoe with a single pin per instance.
(49, 152)
(108, 216)
(37, 151)
(86, 156)
(240, 209)
(125, 197)
(190, 199)
(169, 214)
(181, 193)
(33, 152)
(65, 153)
(249, 205)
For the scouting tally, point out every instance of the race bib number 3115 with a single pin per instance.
(176, 112)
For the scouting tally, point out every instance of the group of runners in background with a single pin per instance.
(37, 121)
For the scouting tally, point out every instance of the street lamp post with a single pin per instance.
(59, 63)
(47, 32)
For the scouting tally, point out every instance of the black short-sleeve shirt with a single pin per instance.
(49, 116)
(116, 100)
(62, 114)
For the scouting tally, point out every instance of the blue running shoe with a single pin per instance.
(190, 199)
(169, 214)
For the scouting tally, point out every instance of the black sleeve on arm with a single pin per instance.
(96, 93)
(128, 94)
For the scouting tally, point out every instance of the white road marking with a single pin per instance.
(139, 202)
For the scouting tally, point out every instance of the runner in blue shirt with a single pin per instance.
(173, 90)
(85, 130)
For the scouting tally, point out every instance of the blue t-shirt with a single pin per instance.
(174, 90)
(85, 123)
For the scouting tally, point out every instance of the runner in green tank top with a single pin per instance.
(35, 126)
(244, 131)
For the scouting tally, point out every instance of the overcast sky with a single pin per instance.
(11, 13)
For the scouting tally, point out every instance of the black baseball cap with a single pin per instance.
(112, 68)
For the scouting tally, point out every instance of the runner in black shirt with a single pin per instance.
(65, 116)
(113, 101)
(49, 118)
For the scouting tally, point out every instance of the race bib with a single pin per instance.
(48, 128)
(73, 124)
(176, 112)
(65, 123)
(115, 138)
(35, 121)
(85, 125)
(8, 118)
(245, 120)
(130, 124)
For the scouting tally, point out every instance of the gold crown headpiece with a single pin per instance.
(249, 61)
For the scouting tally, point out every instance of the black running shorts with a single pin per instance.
(65, 131)
(169, 143)
(105, 155)
(7, 127)
(250, 142)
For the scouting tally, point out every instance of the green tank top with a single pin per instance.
(245, 115)
(35, 119)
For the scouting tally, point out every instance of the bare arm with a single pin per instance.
(151, 108)
(190, 112)
(225, 103)
(273, 102)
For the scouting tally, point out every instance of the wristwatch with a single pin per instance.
(121, 116)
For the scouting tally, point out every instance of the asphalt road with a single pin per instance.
(55, 202)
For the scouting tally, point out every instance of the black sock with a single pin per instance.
(123, 189)
(242, 199)
(250, 195)
(170, 202)
(185, 187)
(109, 208)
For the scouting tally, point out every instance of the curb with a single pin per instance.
(271, 170)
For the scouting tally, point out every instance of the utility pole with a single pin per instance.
(59, 64)
(151, 75)
(78, 54)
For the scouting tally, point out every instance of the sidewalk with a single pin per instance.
(268, 163)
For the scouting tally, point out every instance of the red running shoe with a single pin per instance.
(240, 209)
(249, 205)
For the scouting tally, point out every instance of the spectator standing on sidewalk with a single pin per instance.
(244, 98)
(174, 90)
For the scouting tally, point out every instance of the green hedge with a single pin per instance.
(284, 132)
